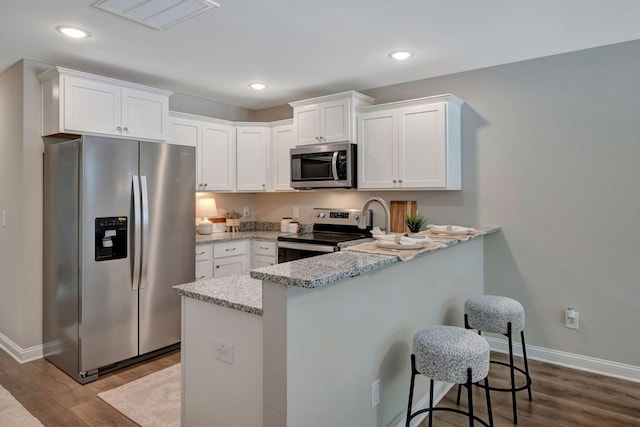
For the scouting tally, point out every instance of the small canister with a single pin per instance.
(294, 227)
(284, 225)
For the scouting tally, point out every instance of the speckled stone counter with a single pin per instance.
(239, 235)
(239, 292)
(325, 269)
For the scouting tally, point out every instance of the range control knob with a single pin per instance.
(321, 214)
(356, 216)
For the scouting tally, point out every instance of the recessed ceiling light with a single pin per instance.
(257, 86)
(401, 55)
(72, 32)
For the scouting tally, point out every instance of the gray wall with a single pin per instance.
(208, 108)
(551, 149)
(21, 149)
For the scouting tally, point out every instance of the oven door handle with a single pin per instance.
(334, 165)
(307, 247)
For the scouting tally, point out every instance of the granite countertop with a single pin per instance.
(238, 235)
(239, 292)
(325, 269)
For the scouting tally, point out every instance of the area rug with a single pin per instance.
(13, 414)
(151, 401)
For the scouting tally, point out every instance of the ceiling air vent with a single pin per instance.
(158, 14)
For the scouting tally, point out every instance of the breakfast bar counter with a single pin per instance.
(330, 326)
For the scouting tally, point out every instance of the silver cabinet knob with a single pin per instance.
(217, 266)
(394, 181)
(125, 129)
(400, 181)
(356, 216)
(205, 184)
(119, 129)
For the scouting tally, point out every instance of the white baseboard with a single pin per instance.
(18, 353)
(440, 389)
(569, 360)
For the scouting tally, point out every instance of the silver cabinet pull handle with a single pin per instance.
(200, 253)
(199, 278)
(230, 249)
(263, 247)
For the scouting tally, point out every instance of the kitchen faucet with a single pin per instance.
(362, 222)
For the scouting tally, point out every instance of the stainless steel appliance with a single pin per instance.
(331, 228)
(118, 234)
(323, 166)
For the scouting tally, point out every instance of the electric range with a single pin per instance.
(331, 228)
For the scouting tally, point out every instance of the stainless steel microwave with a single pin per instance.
(323, 166)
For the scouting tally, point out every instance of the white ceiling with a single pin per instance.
(305, 48)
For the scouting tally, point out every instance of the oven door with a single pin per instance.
(291, 251)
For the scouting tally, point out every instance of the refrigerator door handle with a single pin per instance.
(135, 281)
(145, 231)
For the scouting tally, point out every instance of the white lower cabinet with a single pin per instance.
(263, 253)
(204, 269)
(239, 256)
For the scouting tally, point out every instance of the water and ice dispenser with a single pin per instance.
(111, 238)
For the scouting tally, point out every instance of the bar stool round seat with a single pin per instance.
(444, 353)
(500, 315)
(491, 313)
(453, 355)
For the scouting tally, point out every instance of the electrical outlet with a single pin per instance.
(245, 211)
(296, 212)
(571, 318)
(375, 393)
(223, 352)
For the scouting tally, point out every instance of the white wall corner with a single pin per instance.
(18, 353)
(569, 360)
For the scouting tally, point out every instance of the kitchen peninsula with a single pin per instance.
(301, 343)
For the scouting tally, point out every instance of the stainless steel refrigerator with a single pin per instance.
(118, 234)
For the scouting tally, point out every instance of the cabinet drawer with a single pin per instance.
(230, 265)
(221, 250)
(203, 252)
(263, 248)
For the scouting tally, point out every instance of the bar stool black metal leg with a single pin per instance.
(413, 377)
(431, 403)
(486, 390)
(513, 379)
(526, 364)
(458, 399)
(470, 397)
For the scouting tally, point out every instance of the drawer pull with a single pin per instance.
(200, 253)
(264, 247)
(199, 278)
(230, 249)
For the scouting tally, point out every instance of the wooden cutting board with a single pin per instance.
(400, 209)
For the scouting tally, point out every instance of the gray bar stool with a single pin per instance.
(500, 315)
(452, 355)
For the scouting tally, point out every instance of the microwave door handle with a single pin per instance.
(334, 165)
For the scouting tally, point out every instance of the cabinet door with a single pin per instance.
(230, 265)
(378, 150)
(281, 142)
(422, 146)
(203, 270)
(335, 123)
(258, 261)
(144, 114)
(91, 106)
(251, 159)
(306, 122)
(217, 157)
(187, 132)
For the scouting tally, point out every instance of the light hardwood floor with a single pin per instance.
(561, 396)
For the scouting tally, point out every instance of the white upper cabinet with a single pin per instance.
(217, 157)
(328, 118)
(215, 153)
(282, 141)
(251, 158)
(81, 103)
(410, 145)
